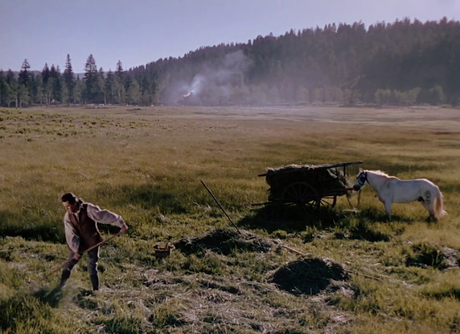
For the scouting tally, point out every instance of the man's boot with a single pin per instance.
(64, 277)
(95, 282)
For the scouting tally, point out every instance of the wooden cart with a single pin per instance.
(308, 186)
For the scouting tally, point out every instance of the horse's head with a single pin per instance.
(361, 180)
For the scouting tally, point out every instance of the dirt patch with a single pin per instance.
(308, 276)
(225, 241)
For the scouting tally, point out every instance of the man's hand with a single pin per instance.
(76, 256)
(124, 229)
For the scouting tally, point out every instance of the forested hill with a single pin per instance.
(402, 63)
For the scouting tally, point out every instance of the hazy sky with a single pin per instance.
(138, 32)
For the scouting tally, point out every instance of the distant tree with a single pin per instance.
(316, 95)
(35, 88)
(119, 86)
(133, 93)
(90, 79)
(13, 89)
(336, 94)
(109, 86)
(382, 97)
(302, 94)
(2, 88)
(287, 90)
(24, 83)
(10, 93)
(119, 72)
(69, 81)
(10, 88)
(273, 95)
(437, 95)
(210, 95)
(128, 79)
(325, 94)
(241, 95)
(22, 95)
(99, 90)
(38, 89)
(65, 94)
(79, 95)
(56, 88)
(119, 69)
(24, 74)
(347, 97)
(45, 74)
(48, 91)
(406, 98)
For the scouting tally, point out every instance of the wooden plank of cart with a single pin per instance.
(309, 186)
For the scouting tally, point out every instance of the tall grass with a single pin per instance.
(147, 166)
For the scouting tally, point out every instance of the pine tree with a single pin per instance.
(119, 86)
(2, 87)
(38, 89)
(90, 79)
(23, 83)
(119, 72)
(55, 74)
(100, 87)
(79, 90)
(133, 92)
(11, 88)
(24, 74)
(109, 86)
(45, 74)
(69, 81)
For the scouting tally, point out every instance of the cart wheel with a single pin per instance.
(329, 201)
(301, 194)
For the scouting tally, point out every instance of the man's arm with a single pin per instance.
(72, 239)
(106, 217)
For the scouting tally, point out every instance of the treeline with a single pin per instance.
(50, 86)
(401, 63)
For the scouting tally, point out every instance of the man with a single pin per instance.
(81, 232)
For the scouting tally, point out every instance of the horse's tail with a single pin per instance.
(438, 205)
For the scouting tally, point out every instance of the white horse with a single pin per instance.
(390, 190)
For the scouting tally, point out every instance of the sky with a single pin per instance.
(138, 32)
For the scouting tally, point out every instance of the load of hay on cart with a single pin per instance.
(309, 186)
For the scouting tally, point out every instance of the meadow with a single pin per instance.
(359, 272)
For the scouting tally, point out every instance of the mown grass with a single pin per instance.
(147, 166)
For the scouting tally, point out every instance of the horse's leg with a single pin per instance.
(388, 209)
(428, 205)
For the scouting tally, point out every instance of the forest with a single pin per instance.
(406, 62)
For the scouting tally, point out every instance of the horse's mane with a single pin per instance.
(379, 172)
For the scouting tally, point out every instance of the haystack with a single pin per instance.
(308, 276)
(225, 241)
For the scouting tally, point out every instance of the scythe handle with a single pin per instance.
(91, 248)
(101, 243)
(293, 250)
(220, 206)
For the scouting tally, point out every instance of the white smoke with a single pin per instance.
(197, 84)
(216, 82)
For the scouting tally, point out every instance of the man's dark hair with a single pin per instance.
(69, 197)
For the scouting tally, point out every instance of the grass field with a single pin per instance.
(360, 273)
